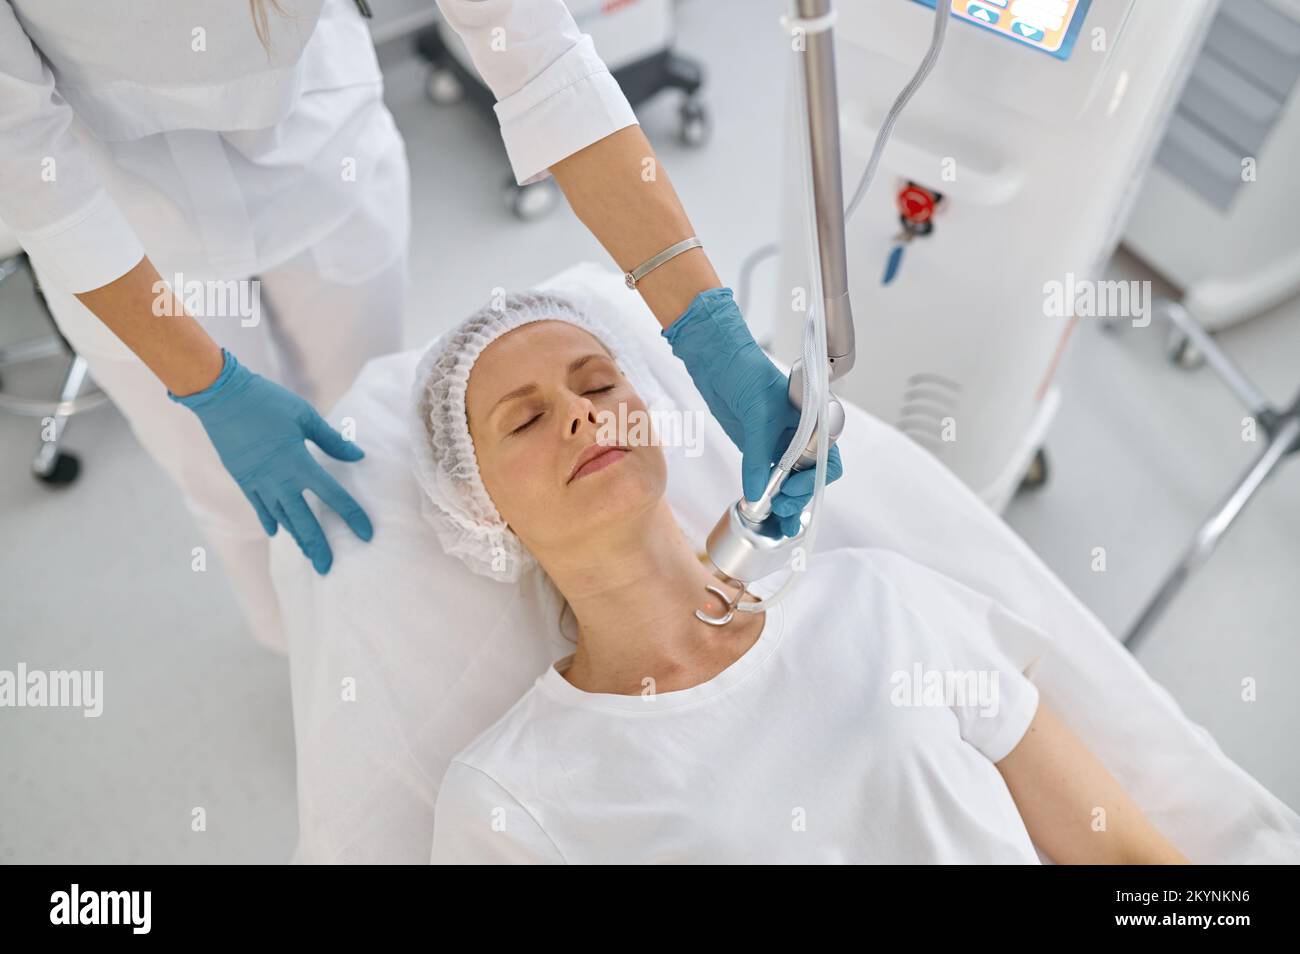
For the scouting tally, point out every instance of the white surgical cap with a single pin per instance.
(455, 500)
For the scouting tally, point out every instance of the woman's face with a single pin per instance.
(538, 399)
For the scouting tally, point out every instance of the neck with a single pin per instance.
(634, 592)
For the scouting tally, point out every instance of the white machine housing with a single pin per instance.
(1226, 171)
(1038, 160)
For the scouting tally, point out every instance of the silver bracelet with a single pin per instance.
(650, 264)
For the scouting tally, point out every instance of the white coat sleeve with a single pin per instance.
(476, 821)
(51, 197)
(554, 94)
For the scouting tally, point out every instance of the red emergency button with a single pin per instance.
(916, 204)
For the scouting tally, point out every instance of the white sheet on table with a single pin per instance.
(436, 653)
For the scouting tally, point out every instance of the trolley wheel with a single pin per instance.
(1038, 472)
(695, 126)
(1182, 352)
(533, 201)
(65, 470)
(443, 87)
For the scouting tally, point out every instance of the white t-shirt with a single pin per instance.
(862, 726)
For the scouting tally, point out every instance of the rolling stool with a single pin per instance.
(51, 465)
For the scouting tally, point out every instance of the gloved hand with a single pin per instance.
(259, 429)
(747, 393)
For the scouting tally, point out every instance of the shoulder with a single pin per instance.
(932, 605)
(888, 567)
(507, 750)
(477, 820)
(493, 746)
(885, 584)
(865, 567)
(486, 804)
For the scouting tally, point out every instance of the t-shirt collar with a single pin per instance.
(561, 689)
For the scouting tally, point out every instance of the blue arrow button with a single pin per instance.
(983, 14)
(1027, 30)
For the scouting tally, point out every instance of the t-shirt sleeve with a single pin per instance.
(476, 821)
(987, 648)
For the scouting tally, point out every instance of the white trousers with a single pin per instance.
(319, 323)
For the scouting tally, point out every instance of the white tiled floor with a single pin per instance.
(100, 572)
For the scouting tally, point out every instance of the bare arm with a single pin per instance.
(172, 344)
(620, 191)
(1058, 786)
(616, 187)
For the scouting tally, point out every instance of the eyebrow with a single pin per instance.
(527, 389)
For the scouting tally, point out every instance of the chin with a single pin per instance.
(620, 492)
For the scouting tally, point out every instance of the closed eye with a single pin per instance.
(527, 424)
(532, 420)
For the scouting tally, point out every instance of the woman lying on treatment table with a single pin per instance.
(800, 734)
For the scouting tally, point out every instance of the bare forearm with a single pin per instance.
(1073, 808)
(139, 308)
(621, 192)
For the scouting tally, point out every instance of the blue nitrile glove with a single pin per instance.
(747, 393)
(259, 429)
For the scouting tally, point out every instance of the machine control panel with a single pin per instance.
(1051, 26)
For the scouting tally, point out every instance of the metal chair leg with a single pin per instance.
(1207, 537)
(50, 464)
(1223, 365)
(1283, 430)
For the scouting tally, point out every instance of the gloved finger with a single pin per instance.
(268, 522)
(800, 483)
(789, 505)
(790, 525)
(331, 441)
(310, 536)
(834, 465)
(755, 465)
(331, 492)
(278, 512)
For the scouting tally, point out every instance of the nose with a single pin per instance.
(581, 412)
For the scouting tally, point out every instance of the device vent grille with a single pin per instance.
(1234, 98)
(930, 403)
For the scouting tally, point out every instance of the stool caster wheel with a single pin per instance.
(1038, 472)
(1182, 352)
(443, 88)
(694, 124)
(65, 470)
(533, 201)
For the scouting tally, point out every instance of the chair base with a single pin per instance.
(50, 465)
(1282, 427)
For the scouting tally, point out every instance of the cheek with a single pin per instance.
(513, 473)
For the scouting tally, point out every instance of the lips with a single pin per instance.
(593, 453)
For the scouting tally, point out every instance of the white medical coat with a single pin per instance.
(167, 126)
